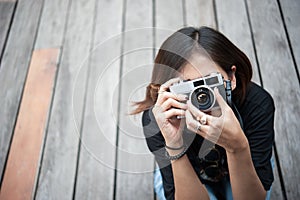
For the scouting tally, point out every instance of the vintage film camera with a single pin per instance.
(200, 91)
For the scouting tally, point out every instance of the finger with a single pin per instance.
(166, 95)
(173, 112)
(205, 131)
(220, 99)
(198, 114)
(193, 125)
(173, 103)
(164, 87)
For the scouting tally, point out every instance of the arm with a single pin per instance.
(244, 180)
(187, 183)
(168, 106)
(226, 132)
(179, 172)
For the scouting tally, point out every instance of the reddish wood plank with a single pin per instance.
(22, 164)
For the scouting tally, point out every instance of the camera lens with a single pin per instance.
(203, 98)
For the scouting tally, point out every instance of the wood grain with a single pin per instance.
(59, 165)
(50, 34)
(135, 163)
(96, 170)
(168, 19)
(14, 67)
(291, 14)
(233, 22)
(200, 13)
(52, 25)
(22, 164)
(276, 190)
(6, 13)
(280, 79)
(8, 1)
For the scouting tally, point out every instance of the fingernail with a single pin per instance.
(184, 97)
(187, 103)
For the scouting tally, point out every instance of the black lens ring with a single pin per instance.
(194, 99)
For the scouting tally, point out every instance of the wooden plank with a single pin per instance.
(135, 163)
(168, 22)
(279, 78)
(52, 25)
(228, 12)
(22, 164)
(58, 170)
(235, 11)
(53, 20)
(200, 13)
(95, 179)
(276, 190)
(6, 13)
(14, 66)
(291, 14)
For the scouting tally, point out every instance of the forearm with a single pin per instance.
(244, 180)
(186, 181)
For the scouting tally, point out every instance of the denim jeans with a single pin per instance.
(159, 190)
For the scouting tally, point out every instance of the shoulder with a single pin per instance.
(146, 117)
(153, 136)
(257, 112)
(149, 123)
(258, 98)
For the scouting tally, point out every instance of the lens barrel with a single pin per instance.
(203, 98)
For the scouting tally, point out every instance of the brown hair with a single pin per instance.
(173, 54)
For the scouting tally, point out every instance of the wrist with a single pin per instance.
(241, 146)
(174, 145)
(173, 155)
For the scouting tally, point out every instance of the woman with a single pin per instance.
(202, 155)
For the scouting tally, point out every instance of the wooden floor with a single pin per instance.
(69, 68)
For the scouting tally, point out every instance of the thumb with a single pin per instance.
(222, 103)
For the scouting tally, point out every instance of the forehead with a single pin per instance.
(199, 66)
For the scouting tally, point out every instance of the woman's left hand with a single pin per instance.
(224, 130)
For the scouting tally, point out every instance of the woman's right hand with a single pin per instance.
(166, 109)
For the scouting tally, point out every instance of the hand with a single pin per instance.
(166, 109)
(224, 130)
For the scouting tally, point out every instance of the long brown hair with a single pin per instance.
(173, 54)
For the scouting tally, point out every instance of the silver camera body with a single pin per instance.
(200, 91)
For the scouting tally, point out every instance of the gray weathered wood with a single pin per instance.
(276, 190)
(135, 162)
(95, 179)
(168, 19)
(291, 13)
(232, 16)
(22, 164)
(6, 12)
(50, 34)
(14, 66)
(233, 22)
(52, 24)
(57, 174)
(279, 78)
(200, 13)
